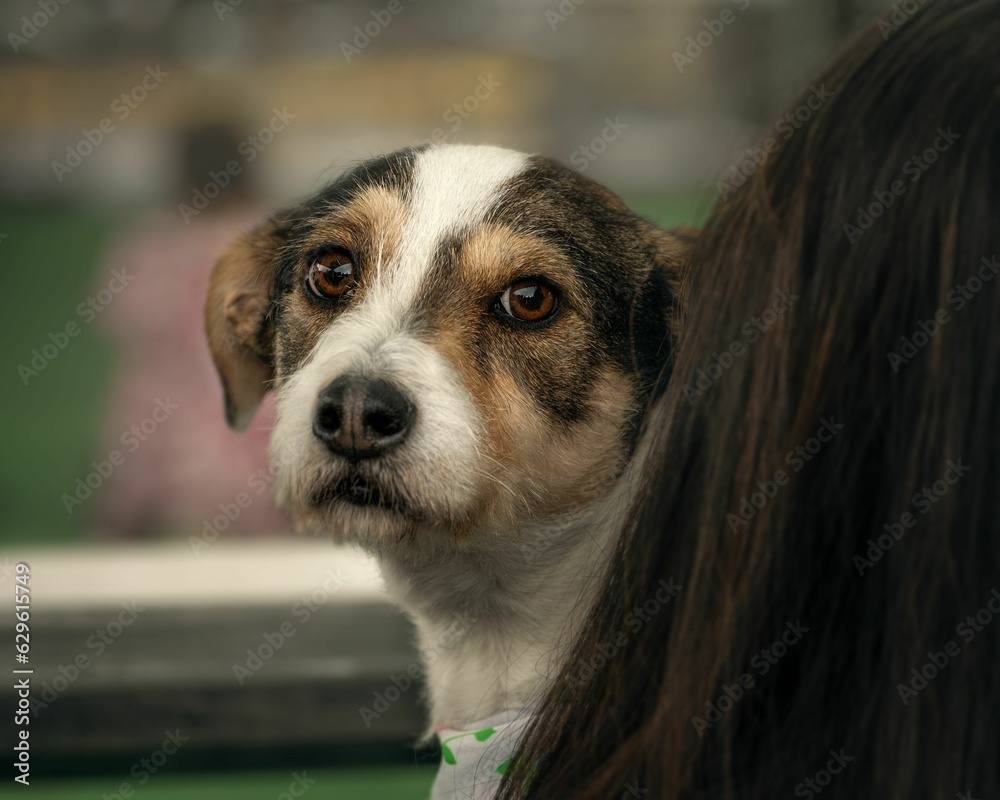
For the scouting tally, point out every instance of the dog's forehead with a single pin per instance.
(452, 190)
(422, 198)
(444, 188)
(403, 206)
(454, 187)
(445, 191)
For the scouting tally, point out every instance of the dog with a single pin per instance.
(464, 342)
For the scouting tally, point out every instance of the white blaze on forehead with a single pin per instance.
(452, 188)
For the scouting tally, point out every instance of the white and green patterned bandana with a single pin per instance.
(474, 759)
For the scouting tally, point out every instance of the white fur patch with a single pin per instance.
(453, 186)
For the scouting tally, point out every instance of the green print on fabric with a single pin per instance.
(481, 736)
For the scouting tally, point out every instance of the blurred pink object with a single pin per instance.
(191, 469)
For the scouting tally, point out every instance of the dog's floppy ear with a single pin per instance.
(668, 258)
(653, 322)
(237, 321)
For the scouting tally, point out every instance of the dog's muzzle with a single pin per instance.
(361, 418)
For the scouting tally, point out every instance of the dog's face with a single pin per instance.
(461, 338)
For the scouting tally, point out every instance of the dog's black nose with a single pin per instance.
(360, 418)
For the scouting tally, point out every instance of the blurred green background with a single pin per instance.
(51, 422)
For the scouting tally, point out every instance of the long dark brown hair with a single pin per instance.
(827, 486)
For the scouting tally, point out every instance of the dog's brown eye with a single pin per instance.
(332, 275)
(528, 301)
